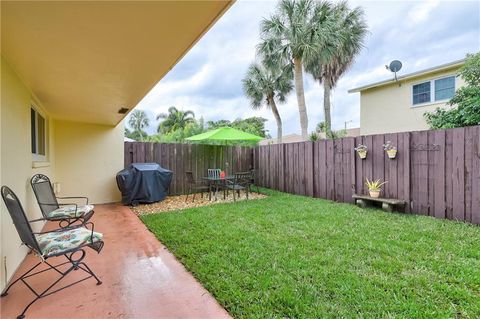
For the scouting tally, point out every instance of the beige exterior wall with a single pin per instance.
(82, 157)
(388, 108)
(88, 156)
(17, 163)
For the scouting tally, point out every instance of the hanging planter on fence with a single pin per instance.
(361, 151)
(390, 149)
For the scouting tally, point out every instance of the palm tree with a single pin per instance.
(174, 120)
(138, 121)
(339, 53)
(292, 35)
(264, 84)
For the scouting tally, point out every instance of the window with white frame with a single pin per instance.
(38, 135)
(433, 91)
(444, 88)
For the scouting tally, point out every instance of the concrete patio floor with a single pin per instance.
(141, 279)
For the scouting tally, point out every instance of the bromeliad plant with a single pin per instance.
(361, 151)
(390, 149)
(374, 187)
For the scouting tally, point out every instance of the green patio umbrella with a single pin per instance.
(225, 134)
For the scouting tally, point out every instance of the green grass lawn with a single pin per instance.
(290, 256)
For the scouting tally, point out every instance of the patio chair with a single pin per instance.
(69, 242)
(194, 186)
(215, 184)
(254, 181)
(65, 213)
(241, 181)
(214, 172)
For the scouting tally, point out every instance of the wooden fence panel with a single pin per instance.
(406, 171)
(459, 174)
(330, 185)
(349, 145)
(322, 169)
(439, 209)
(476, 178)
(359, 168)
(437, 173)
(419, 172)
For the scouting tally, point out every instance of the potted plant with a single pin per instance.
(361, 151)
(390, 149)
(374, 187)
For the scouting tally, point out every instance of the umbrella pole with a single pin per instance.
(231, 162)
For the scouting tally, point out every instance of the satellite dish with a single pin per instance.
(394, 67)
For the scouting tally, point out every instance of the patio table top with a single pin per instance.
(228, 177)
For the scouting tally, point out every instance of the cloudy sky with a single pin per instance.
(207, 80)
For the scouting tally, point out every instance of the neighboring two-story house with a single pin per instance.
(389, 106)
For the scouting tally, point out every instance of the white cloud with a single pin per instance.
(422, 11)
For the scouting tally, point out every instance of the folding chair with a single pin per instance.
(214, 172)
(194, 186)
(65, 242)
(52, 210)
(216, 183)
(241, 181)
(254, 181)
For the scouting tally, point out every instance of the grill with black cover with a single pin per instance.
(143, 183)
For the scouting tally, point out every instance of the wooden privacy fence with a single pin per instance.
(436, 172)
(181, 158)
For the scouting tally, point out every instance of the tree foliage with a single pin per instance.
(465, 104)
(320, 128)
(180, 134)
(339, 50)
(138, 122)
(174, 120)
(266, 85)
(253, 125)
(292, 36)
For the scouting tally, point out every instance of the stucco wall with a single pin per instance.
(388, 109)
(88, 156)
(84, 158)
(17, 164)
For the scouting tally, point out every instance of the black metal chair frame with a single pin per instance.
(194, 185)
(40, 180)
(28, 239)
(215, 185)
(241, 181)
(254, 181)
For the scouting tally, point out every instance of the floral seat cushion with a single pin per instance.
(70, 211)
(63, 241)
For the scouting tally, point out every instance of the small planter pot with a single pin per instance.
(374, 193)
(362, 154)
(392, 153)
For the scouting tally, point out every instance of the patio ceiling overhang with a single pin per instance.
(86, 60)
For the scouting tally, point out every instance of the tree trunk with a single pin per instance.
(273, 106)
(326, 107)
(302, 109)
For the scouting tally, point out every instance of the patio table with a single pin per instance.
(212, 181)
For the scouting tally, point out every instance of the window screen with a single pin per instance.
(33, 122)
(38, 133)
(444, 88)
(421, 93)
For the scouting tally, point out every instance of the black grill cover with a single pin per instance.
(143, 183)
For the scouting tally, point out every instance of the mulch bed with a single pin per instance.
(179, 202)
